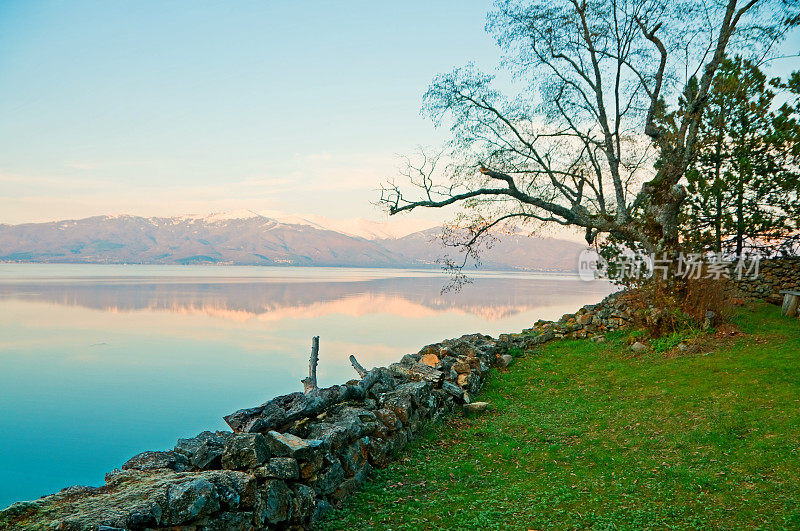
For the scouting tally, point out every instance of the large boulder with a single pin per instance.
(155, 460)
(303, 503)
(288, 445)
(275, 502)
(418, 392)
(388, 418)
(190, 499)
(204, 450)
(279, 468)
(328, 480)
(267, 416)
(354, 456)
(236, 490)
(244, 451)
(331, 435)
(397, 403)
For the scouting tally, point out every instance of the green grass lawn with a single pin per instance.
(584, 435)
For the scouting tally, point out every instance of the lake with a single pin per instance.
(101, 362)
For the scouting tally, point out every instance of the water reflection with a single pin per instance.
(100, 362)
(240, 299)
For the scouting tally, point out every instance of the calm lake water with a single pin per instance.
(98, 363)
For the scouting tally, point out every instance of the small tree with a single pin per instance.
(743, 184)
(591, 118)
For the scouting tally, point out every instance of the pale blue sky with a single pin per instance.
(178, 107)
(169, 108)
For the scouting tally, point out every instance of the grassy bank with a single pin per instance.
(587, 435)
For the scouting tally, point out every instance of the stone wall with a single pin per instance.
(290, 460)
(774, 276)
(286, 462)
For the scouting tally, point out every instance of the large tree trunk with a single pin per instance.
(661, 223)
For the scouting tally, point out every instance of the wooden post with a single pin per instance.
(790, 303)
(310, 383)
(792, 310)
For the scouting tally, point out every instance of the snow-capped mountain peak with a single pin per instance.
(216, 217)
(356, 227)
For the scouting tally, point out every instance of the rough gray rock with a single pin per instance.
(476, 407)
(156, 460)
(265, 417)
(453, 390)
(190, 499)
(303, 503)
(354, 456)
(327, 481)
(245, 450)
(397, 403)
(276, 501)
(236, 490)
(204, 451)
(505, 360)
(230, 521)
(207, 457)
(419, 392)
(388, 418)
(288, 445)
(331, 435)
(279, 468)
(356, 421)
(638, 347)
(350, 485)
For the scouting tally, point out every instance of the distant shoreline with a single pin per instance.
(320, 266)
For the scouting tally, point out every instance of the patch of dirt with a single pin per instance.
(728, 330)
(725, 335)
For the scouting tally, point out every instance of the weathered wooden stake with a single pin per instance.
(310, 383)
(357, 366)
(791, 300)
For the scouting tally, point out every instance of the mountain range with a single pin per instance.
(248, 238)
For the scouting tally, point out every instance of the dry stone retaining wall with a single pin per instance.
(290, 460)
(774, 275)
(285, 463)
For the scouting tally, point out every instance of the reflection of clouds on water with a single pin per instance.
(490, 299)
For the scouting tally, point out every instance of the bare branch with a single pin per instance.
(357, 366)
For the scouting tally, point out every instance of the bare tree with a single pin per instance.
(591, 123)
